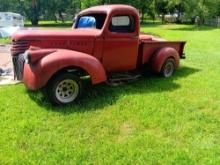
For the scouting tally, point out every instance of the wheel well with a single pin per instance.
(171, 58)
(160, 56)
(71, 69)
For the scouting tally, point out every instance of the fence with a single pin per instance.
(213, 22)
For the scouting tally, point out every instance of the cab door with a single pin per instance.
(120, 44)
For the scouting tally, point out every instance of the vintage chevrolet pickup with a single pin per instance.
(104, 40)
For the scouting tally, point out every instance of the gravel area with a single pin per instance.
(6, 63)
(5, 57)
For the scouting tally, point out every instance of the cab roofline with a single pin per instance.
(108, 9)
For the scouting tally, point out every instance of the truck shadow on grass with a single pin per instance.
(102, 95)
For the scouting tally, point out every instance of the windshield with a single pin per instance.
(95, 21)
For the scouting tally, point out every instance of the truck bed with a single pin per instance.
(148, 48)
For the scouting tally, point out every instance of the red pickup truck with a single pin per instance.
(104, 40)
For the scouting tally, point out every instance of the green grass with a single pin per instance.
(151, 121)
(51, 24)
(5, 41)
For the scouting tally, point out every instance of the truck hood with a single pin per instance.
(81, 40)
(55, 34)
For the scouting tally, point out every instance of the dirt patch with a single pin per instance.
(8, 80)
(126, 131)
(5, 56)
(6, 64)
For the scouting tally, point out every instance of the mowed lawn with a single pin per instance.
(5, 41)
(151, 121)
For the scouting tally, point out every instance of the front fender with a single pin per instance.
(161, 55)
(35, 55)
(37, 75)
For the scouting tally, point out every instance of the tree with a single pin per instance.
(34, 10)
(177, 7)
(161, 8)
(143, 6)
(204, 9)
(34, 15)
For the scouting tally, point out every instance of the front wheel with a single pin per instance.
(168, 68)
(64, 88)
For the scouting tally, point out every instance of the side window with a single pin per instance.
(91, 21)
(122, 24)
(87, 22)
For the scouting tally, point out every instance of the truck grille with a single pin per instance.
(18, 63)
(19, 47)
(17, 50)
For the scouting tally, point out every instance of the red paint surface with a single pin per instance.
(36, 55)
(161, 55)
(96, 51)
(151, 47)
(37, 75)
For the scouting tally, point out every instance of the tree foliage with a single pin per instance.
(34, 10)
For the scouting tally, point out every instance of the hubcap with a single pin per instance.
(168, 69)
(67, 91)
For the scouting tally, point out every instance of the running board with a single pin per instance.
(121, 78)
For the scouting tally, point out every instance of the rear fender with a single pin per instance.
(161, 55)
(37, 75)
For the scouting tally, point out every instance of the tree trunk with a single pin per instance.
(34, 22)
(178, 20)
(179, 14)
(153, 17)
(102, 2)
(202, 17)
(163, 18)
(61, 16)
(202, 21)
(142, 17)
(55, 18)
(193, 20)
(35, 16)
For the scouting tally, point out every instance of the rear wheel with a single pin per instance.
(64, 88)
(168, 68)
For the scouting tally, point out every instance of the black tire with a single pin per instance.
(64, 88)
(168, 68)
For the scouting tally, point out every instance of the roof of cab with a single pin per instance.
(108, 9)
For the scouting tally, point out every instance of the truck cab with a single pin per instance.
(104, 40)
(119, 35)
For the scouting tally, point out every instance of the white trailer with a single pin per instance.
(11, 19)
(10, 23)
